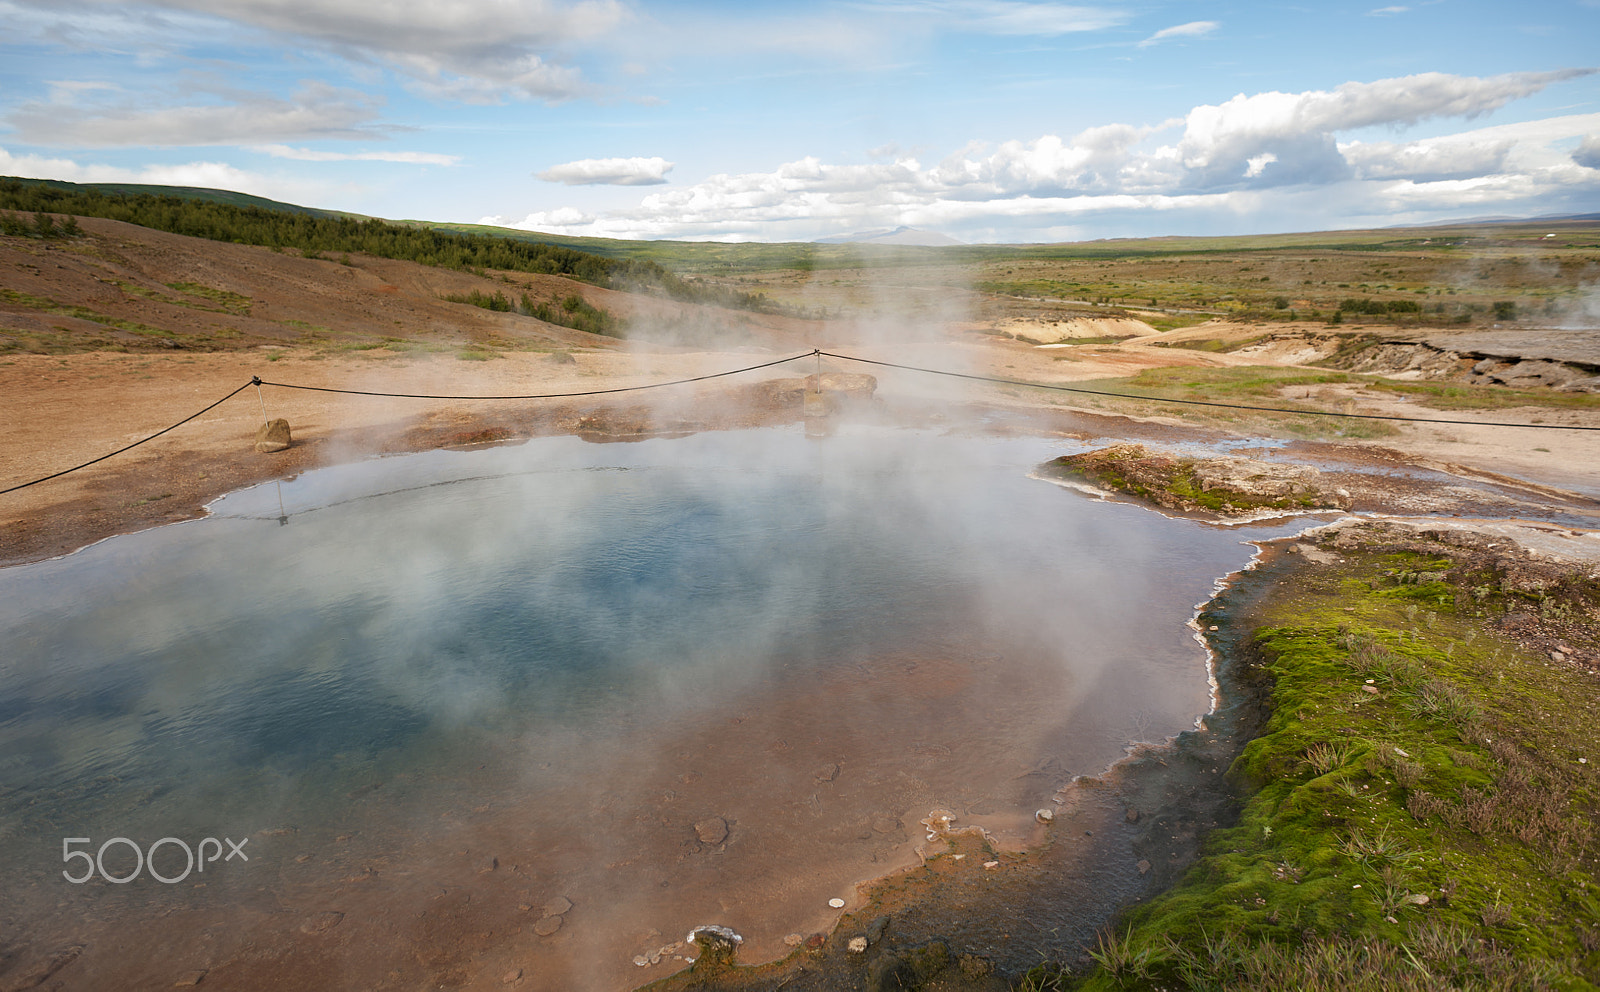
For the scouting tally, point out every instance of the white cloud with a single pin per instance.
(1003, 17)
(1452, 157)
(1387, 11)
(609, 172)
(1587, 154)
(308, 155)
(315, 112)
(1219, 140)
(549, 221)
(68, 90)
(1194, 29)
(1255, 166)
(868, 33)
(1255, 151)
(472, 50)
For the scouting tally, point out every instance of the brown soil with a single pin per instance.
(157, 354)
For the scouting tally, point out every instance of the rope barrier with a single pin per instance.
(258, 382)
(1226, 406)
(130, 447)
(543, 396)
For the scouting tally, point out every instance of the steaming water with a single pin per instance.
(509, 675)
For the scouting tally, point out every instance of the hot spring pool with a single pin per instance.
(715, 679)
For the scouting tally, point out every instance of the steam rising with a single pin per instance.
(597, 647)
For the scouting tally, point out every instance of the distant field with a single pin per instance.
(1456, 275)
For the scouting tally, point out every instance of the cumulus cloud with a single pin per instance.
(1219, 140)
(1587, 154)
(560, 219)
(472, 50)
(1452, 157)
(308, 155)
(609, 172)
(1194, 29)
(1237, 156)
(316, 111)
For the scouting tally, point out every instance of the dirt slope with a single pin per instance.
(123, 287)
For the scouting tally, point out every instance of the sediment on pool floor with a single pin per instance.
(976, 919)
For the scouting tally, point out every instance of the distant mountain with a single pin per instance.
(1497, 219)
(898, 236)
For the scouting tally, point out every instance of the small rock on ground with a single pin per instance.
(547, 926)
(713, 830)
(322, 922)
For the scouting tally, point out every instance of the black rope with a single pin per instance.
(1226, 406)
(135, 444)
(541, 396)
(258, 381)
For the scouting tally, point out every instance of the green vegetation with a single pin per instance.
(15, 341)
(42, 226)
(314, 234)
(1212, 345)
(1177, 483)
(571, 311)
(1173, 322)
(1268, 386)
(1418, 818)
(1245, 385)
(1380, 307)
(229, 302)
(1439, 396)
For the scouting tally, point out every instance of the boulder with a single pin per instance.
(273, 436)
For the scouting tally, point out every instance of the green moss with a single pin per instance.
(1417, 816)
(1167, 481)
(84, 313)
(229, 302)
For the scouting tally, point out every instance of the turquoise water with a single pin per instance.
(546, 625)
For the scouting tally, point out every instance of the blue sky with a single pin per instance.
(987, 120)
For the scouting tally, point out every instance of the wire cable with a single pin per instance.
(135, 444)
(540, 396)
(258, 381)
(1226, 406)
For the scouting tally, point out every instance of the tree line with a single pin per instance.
(43, 225)
(573, 311)
(314, 235)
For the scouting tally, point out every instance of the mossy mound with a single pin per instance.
(1225, 486)
(1423, 796)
